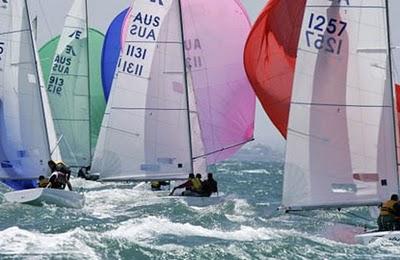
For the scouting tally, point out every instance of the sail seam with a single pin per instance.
(71, 120)
(69, 75)
(336, 105)
(138, 108)
(11, 32)
(350, 6)
(154, 42)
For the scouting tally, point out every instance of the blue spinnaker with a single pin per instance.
(111, 51)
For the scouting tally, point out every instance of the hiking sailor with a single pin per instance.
(389, 216)
(60, 177)
(209, 186)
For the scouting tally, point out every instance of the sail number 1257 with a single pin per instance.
(325, 34)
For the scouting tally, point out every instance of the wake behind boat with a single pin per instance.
(370, 237)
(41, 196)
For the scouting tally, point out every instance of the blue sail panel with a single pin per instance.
(111, 51)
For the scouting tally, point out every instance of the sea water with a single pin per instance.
(122, 222)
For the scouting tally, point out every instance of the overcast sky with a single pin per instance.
(101, 13)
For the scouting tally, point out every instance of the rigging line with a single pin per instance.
(185, 77)
(351, 214)
(392, 88)
(223, 149)
(57, 144)
(37, 75)
(88, 78)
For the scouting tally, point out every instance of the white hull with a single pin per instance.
(372, 236)
(40, 196)
(200, 201)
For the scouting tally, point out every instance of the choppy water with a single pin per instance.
(119, 222)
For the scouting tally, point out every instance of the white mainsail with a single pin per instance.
(341, 140)
(24, 150)
(145, 133)
(68, 89)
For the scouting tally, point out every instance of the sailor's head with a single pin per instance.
(210, 175)
(52, 165)
(191, 176)
(41, 177)
(198, 175)
(394, 197)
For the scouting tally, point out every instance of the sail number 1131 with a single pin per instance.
(330, 37)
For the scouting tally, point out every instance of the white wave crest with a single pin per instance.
(15, 241)
(149, 228)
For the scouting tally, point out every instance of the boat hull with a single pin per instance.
(200, 201)
(372, 236)
(40, 196)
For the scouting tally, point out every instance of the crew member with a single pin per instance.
(43, 182)
(209, 186)
(390, 210)
(188, 185)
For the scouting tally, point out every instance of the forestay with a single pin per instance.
(68, 89)
(145, 132)
(24, 148)
(341, 141)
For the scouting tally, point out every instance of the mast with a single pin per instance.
(186, 84)
(392, 89)
(37, 76)
(88, 81)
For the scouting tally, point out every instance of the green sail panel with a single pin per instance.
(97, 100)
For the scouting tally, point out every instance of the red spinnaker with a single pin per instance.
(397, 91)
(270, 57)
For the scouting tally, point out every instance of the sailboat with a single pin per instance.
(180, 99)
(341, 134)
(68, 89)
(25, 147)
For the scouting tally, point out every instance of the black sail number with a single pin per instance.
(325, 33)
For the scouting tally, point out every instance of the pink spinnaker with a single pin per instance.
(215, 35)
